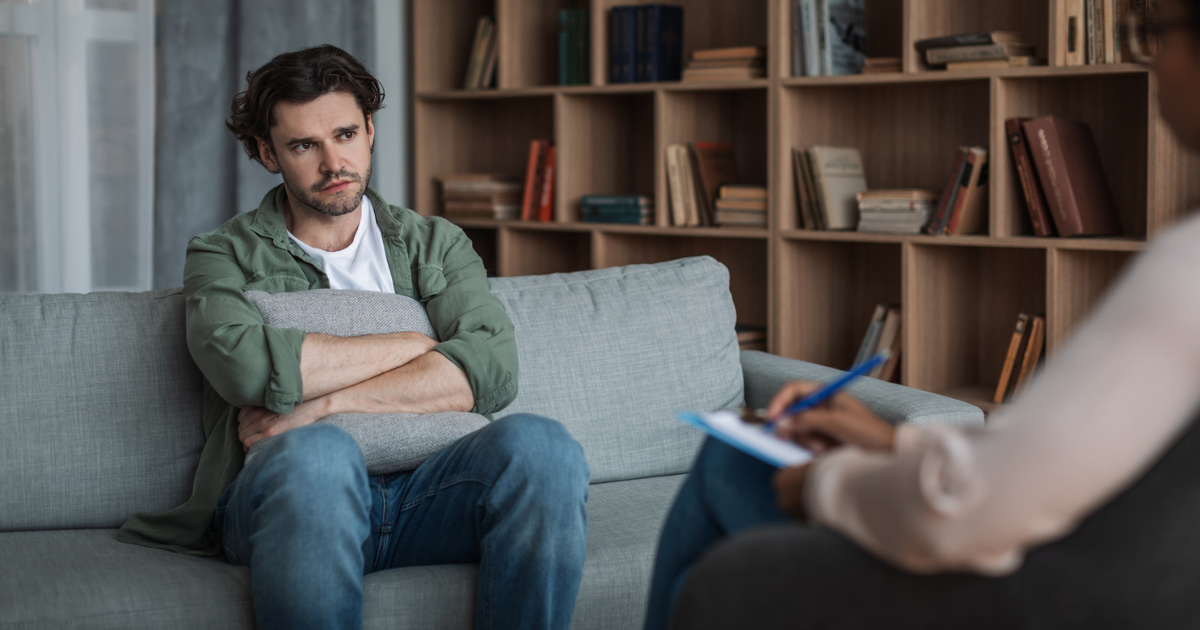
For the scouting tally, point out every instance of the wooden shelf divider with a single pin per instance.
(815, 291)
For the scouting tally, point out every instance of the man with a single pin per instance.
(304, 515)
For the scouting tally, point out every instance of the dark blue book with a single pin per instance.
(627, 220)
(621, 44)
(617, 211)
(660, 55)
(615, 200)
(564, 47)
(583, 46)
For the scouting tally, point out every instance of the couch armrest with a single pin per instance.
(766, 373)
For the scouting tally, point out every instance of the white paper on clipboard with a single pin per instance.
(748, 438)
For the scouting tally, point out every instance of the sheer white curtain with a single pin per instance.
(76, 145)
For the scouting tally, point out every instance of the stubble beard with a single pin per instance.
(339, 206)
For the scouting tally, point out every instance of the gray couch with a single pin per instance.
(100, 418)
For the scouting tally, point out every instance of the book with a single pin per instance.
(714, 167)
(1033, 352)
(740, 218)
(1035, 199)
(893, 222)
(1111, 51)
(487, 69)
(809, 43)
(941, 56)
(499, 212)
(478, 52)
(690, 186)
(889, 338)
(723, 74)
(1006, 62)
(675, 195)
(615, 200)
(845, 37)
(870, 341)
(574, 50)
(838, 175)
(803, 210)
(722, 54)
(970, 214)
(949, 193)
(1069, 169)
(1073, 32)
(969, 39)
(741, 191)
(546, 203)
(533, 170)
(797, 30)
(905, 194)
(881, 65)
(1010, 359)
(740, 204)
(726, 64)
(583, 46)
(659, 37)
(816, 204)
(621, 44)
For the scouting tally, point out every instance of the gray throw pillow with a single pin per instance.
(390, 442)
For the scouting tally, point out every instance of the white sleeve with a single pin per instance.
(1102, 412)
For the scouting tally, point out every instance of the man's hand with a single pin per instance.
(789, 491)
(258, 423)
(840, 420)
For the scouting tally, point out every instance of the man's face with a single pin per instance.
(323, 150)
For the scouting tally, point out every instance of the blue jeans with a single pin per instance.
(727, 492)
(310, 522)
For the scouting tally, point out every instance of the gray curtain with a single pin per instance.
(206, 48)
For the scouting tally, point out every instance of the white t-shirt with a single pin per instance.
(363, 265)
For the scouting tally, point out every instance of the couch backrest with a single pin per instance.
(614, 353)
(99, 408)
(100, 400)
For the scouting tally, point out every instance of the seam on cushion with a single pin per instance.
(40, 622)
(653, 268)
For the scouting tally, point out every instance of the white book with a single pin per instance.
(838, 172)
(845, 36)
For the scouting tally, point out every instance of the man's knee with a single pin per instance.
(314, 456)
(541, 449)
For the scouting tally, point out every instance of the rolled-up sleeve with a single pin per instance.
(246, 361)
(475, 331)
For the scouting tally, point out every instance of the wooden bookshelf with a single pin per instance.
(815, 291)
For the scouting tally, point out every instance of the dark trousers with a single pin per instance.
(1134, 563)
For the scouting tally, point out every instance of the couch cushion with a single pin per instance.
(99, 408)
(85, 578)
(614, 353)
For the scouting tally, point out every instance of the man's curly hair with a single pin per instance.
(299, 77)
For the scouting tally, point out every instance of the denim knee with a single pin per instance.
(315, 457)
(541, 448)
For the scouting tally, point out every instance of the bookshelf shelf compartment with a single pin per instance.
(934, 18)
(443, 32)
(745, 258)
(1079, 279)
(484, 242)
(832, 291)
(1107, 103)
(960, 306)
(908, 134)
(474, 137)
(608, 148)
(557, 252)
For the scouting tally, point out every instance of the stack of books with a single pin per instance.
(537, 202)
(481, 64)
(970, 51)
(1063, 182)
(727, 64)
(574, 46)
(467, 196)
(1024, 354)
(645, 43)
(894, 211)
(962, 207)
(883, 333)
(695, 174)
(881, 65)
(630, 209)
(829, 37)
(751, 337)
(1089, 31)
(743, 206)
(828, 180)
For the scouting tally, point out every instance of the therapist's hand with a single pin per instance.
(841, 420)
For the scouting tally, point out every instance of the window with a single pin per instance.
(76, 145)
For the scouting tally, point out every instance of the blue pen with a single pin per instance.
(830, 388)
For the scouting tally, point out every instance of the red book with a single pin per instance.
(529, 202)
(1035, 199)
(949, 192)
(546, 208)
(1068, 165)
(970, 208)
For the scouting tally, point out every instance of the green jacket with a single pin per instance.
(245, 362)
